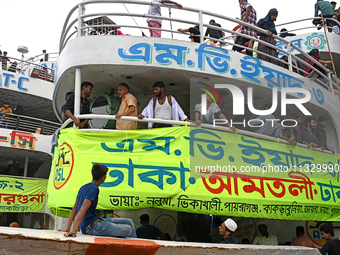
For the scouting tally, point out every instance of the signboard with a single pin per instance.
(22, 195)
(199, 171)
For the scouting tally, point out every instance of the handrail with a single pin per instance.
(68, 25)
(179, 123)
(31, 63)
(27, 123)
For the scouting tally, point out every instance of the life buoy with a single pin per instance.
(235, 29)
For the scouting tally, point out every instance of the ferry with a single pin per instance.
(186, 175)
(26, 84)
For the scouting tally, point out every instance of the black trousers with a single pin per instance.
(241, 41)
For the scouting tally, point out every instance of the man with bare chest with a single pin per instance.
(162, 107)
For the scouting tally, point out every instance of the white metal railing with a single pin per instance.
(30, 124)
(180, 123)
(25, 66)
(84, 30)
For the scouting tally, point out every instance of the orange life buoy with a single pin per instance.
(235, 29)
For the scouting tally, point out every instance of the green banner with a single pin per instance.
(22, 195)
(199, 171)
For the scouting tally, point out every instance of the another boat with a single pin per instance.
(25, 140)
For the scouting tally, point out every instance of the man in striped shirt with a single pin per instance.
(297, 129)
(248, 14)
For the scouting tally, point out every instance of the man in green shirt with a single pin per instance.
(327, 11)
(148, 231)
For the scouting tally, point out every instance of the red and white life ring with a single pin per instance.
(235, 29)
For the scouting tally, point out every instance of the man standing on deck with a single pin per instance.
(162, 107)
(214, 33)
(227, 228)
(86, 90)
(128, 107)
(63, 115)
(297, 129)
(248, 14)
(84, 212)
(327, 11)
(320, 132)
(270, 126)
(308, 137)
(332, 246)
(156, 11)
(4, 59)
(213, 113)
(4, 117)
(264, 238)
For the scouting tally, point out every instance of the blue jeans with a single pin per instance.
(3, 123)
(116, 227)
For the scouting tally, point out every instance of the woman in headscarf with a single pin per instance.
(316, 55)
(268, 24)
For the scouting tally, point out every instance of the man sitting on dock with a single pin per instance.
(86, 90)
(84, 212)
(162, 107)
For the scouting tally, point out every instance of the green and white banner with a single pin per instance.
(199, 171)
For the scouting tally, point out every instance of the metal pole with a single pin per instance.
(200, 18)
(290, 62)
(26, 167)
(330, 82)
(81, 11)
(172, 34)
(77, 92)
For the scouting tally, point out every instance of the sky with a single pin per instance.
(37, 24)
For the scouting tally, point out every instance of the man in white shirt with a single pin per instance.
(162, 107)
(156, 11)
(264, 238)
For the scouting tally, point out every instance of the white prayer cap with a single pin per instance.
(231, 225)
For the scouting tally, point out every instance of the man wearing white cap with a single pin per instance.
(227, 228)
(264, 238)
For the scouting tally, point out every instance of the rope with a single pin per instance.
(133, 18)
(330, 54)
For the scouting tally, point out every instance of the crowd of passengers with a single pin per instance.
(165, 107)
(43, 73)
(248, 15)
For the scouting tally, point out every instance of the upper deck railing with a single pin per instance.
(26, 66)
(30, 124)
(326, 77)
(182, 123)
